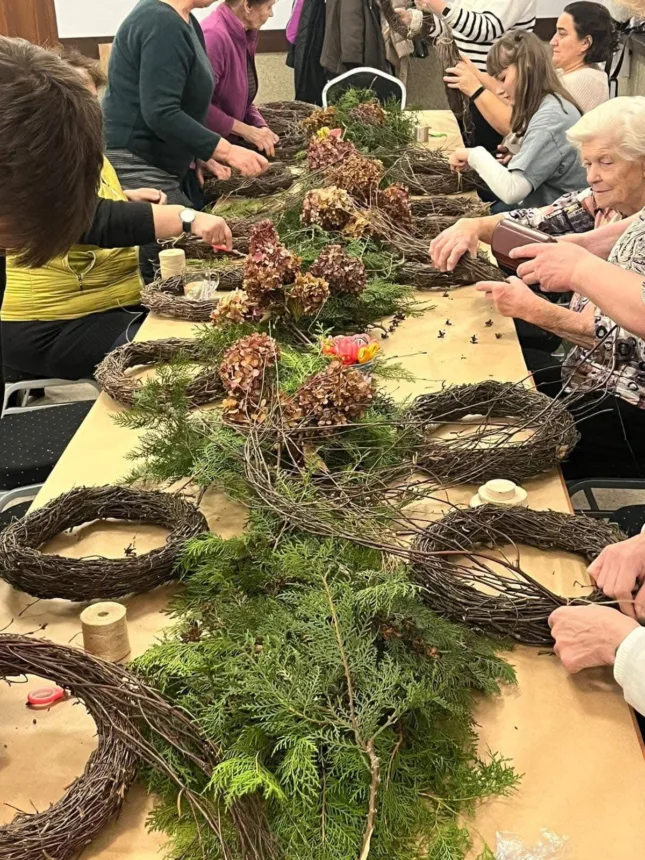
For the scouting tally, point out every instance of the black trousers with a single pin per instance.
(612, 443)
(66, 349)
(482, 132)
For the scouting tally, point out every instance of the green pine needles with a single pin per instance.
(333, 693)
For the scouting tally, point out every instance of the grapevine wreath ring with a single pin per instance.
(465, 459)
(126, 713)
(166, 299)
(514, 604)
(45, 576)
(114, 380)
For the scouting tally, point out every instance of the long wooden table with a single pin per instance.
(573, 738)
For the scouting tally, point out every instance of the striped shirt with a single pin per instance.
(476, 24)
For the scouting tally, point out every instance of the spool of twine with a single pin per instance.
(105, 631)
(172, 262)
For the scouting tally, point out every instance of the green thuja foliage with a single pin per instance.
(331, 691)
(182, 443)
(397, 130)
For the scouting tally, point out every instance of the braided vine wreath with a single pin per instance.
(513, 605)
(25, 567)
(112, 372)
(167, 299)
(497, 452)
(129, 717)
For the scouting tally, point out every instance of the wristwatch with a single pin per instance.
(187, 219)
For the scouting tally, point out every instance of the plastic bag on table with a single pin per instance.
(550, 847)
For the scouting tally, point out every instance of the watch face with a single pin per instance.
(188, 216)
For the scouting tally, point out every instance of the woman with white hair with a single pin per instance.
(607, 356)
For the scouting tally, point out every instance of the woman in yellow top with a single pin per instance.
(60, 320)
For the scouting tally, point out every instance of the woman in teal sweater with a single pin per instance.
(159, 92)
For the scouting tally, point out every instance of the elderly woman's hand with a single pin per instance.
(463, 77)
(619, 571)
(512, 298)
(589, 636)
(553, 266)
(450, 246)
(459, 160)
(263, 139)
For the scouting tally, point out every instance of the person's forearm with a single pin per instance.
(569, 325)
(511, 186)
(486, 226)
(601, 241)
(241, 129)
(629, 669)
(167, 221)
(617, 292)
(496, 112)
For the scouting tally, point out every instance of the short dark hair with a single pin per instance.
(593, 20)
(86, 64)
(51, 153)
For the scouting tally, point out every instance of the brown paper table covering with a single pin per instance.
(573, 738)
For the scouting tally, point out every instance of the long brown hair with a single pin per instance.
(536, 75)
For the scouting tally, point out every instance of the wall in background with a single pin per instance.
(81, 19)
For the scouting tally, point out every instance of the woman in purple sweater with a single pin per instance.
(231, 35)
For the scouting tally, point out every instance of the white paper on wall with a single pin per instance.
(78, 19)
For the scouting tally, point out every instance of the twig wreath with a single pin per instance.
(283, 116)
(166, 299)
(112, 372)
(277, 177)
(459, 207)
(196, 249)
(513, 605)
(495, 449)
(129, 718)
(425, 277)
(54, 576)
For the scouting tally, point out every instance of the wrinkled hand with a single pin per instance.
(249, 163)
(619, 571)
(213, 229)
(405, 15)
(147, 195)
(459, 160)
(205, 169)
(512, 298)
(447, 249)
(552, 266)
(463, 77)
(588, 636)
(263, 139)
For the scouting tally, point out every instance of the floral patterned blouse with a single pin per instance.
(616, 363)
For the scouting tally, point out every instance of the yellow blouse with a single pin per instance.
(86, 280)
